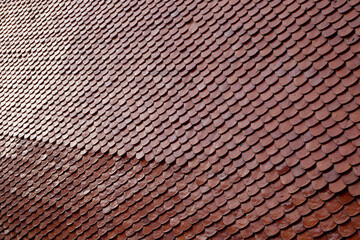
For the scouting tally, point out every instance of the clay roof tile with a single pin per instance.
(180, 119)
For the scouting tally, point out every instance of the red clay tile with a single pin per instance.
(327, 224)
(346, 229)
(310, 221)
(333, 205)
(355, 221)
(354, 188)
(285, 151)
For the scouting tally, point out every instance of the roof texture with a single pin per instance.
(189, 119)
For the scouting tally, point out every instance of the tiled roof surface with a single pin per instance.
(192, 119)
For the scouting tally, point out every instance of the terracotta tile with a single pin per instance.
(165, 97)
(310, 221)
(327, 225)
(353, 189)
(346, 229)
(352, 208)
(355, 221)
(287, 233)
(322, 214)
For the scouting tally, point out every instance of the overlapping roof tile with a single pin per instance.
(179, 119)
